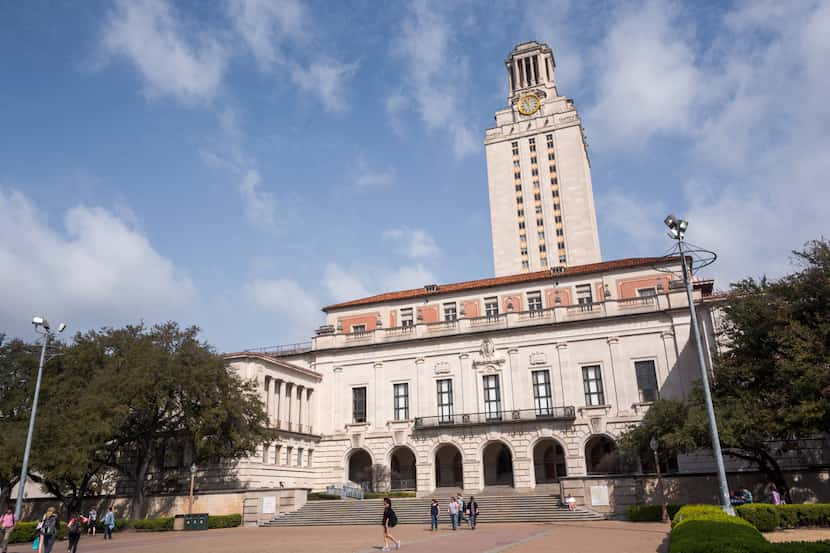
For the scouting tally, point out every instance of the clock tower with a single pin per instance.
(542, 211)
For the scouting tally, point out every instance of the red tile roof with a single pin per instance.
(629, 263)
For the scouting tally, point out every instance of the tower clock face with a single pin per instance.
(529, 104)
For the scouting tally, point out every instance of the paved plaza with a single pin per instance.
(588, 537)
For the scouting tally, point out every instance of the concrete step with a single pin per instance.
(494, 509)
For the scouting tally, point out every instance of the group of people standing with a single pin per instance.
(457, 509)
(47, 528)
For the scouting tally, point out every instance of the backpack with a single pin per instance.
(393, 518)
(50, 526)
(75, 526)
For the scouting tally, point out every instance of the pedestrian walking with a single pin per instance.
(472, 512)
(461, 507)
(433, 513)
(48, 530)
(74, 530)
(93, 520)
(452, 509)
(390, 520)
(109, 524)
(7, 522)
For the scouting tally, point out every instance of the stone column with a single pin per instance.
(611, 381)
(267, 391)
(277, 401)
(300, 394)
(334, 412)
(378, 416)
(561, 397)
(289, 404)
(511, 377)
(467, 383)
(670, 358)
(311, 419)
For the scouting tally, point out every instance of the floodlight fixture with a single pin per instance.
(670, 221)
(40, 321)
(61, 327)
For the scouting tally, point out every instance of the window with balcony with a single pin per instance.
(359, 330)
(444, 400)
(592, 383)
(583, 296)
(541, 392)
(401, 401)
(534, 301)
(491, 307)
(359, 404)
(492, 397)
(450, 311)
(646, 292)
(646, 381)
(406, 317)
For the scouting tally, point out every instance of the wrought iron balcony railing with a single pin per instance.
(566, 413)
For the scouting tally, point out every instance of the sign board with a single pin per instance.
(269, 505)
(599, 495)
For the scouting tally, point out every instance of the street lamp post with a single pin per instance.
(41, 327)
(677, 231)
(192, 480)
(664, 513)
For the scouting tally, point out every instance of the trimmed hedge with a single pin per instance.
(707, 529)
(224, 521)
(160, 524)
(762, 516)
(381, 495)
(26, 532)
(321, 496)
(766, 517)
(650, 513)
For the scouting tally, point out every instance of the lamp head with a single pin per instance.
(61, 327)
(653, 444)
(670, 221)
(193, 468)
(40, 321)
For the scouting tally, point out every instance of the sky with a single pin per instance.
(237, 165)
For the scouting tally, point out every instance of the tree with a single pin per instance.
(165, 386)
(772, 381)
(18, 370)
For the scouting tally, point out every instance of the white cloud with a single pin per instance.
(285, 299)
(96, 271)
(550, 20)
(259, 205)
(641, 221)
(406, 277)
(325, 79)
(395, 104)
(368, 178)
(647, 79)
(436, 73)
(186, 64)
(265, 25)
(412, 242)
(342, 284)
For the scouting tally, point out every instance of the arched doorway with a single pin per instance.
(549, 461)
(402, 469)
(602, 456)
(449, 471)
(360, 469)
(498, 465)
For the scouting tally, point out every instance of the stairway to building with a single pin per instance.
(492, 508)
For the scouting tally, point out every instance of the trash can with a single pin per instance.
(178, 522)
(196, 522)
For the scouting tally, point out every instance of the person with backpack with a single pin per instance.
(109, 524)
(74, 530)
(48, 530)
(461, 506)
(433, 513)
(472, 512)
(7, 523)
(390, 520)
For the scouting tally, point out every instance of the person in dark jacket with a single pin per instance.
(433, 513)
(390, 519)
(74, 530)
(472, 512)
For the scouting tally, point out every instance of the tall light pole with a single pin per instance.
(677, 231)
(192, 480)
(664, 512)
(42, 328)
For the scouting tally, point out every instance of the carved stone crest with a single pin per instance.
(442, 367)
(488, 359)
(487, 348)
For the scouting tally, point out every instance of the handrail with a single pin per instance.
(285, 349)
(497, 417)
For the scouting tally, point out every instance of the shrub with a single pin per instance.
(650, 513)
(26, 531)
(695, 511)
(120, 524)
(762, 516)
(381, 495)
(800, 547)
(725, 534)
(321, 496)
(160, 524)
(224, 521)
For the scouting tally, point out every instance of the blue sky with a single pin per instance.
(237, 164)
